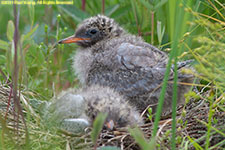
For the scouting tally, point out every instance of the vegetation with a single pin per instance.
(40, 69)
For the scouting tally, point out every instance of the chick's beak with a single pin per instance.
(110, 125)
(72, 39)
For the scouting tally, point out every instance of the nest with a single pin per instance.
(190, 124)
(12, 121)
(8, 109)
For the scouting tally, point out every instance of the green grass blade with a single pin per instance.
(178, 17)
(209, 123)
(97, 126)
(195, 144)
(4, 45)
(147, 4)
(172, 9)
(110, 10)
(75, 13)
(180, 27)
(10, 30)
(29, 34)
(160, 4)
(139, 138)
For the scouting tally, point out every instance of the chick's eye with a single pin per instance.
(93, 31)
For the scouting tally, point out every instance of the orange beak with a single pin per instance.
(72, 39)
(110, 125)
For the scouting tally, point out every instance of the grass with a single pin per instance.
(44, 68)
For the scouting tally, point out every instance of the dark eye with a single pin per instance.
(93, 31)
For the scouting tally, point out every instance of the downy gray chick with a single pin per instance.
(109, 56)
(88, 102)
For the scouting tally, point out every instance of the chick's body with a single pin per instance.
(112, 57)
(88, 102)
(134, 77)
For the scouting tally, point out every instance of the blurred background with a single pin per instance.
(44, 68)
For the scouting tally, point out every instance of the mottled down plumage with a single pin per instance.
(123, 62)
(88, 102)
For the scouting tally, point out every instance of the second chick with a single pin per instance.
(90, 101)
